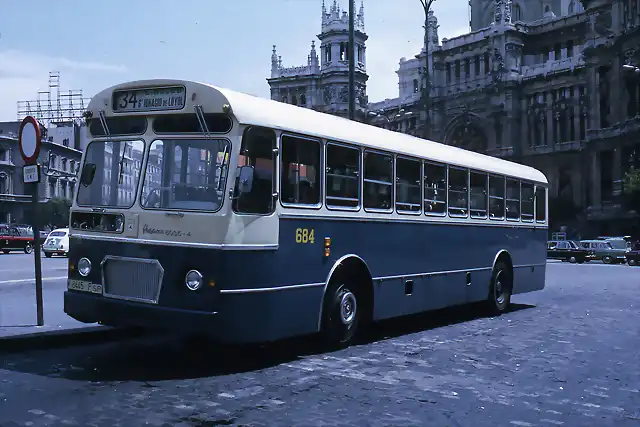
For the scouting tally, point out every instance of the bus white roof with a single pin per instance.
(249, 109)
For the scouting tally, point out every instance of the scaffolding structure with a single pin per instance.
(54, 106)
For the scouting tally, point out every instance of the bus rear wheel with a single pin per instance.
(500, 289)
(341, 314)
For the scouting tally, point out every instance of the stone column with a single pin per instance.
(550, 130)
(595, 198)
(576, 112)
(594, 97)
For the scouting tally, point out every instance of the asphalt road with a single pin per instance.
(566, 356)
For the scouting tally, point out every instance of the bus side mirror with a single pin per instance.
(88, 173)
(245, 183)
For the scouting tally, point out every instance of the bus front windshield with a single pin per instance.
(186, 174)
(117, 167)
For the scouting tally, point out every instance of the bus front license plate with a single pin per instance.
(84, 286)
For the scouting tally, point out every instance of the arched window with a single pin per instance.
(547, 9)
(517, 13)
(572, 7)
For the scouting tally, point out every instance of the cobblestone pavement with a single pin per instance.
(567, 356)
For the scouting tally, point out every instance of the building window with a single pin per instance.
(294, 100)
(285, 99)
(327, 53)
(4, 183)
(303, 100)
(517, 13)
(4, 154)
(477, 65)
(416, 86)
(569, 48)
(572, 7)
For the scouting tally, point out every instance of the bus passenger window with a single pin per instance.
(458, 192)
(343, 176)
(407, 185)
(257, 151)
(378, 180)
(496, 197)
(527, 204)
(300, 171)
(513, 200)
(541, 204)
(478, 186)
(435, 189)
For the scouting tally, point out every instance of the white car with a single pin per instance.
(57, 243)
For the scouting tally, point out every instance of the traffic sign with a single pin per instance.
(31, 174)
(29, 140)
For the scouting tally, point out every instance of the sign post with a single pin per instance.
(29, 142)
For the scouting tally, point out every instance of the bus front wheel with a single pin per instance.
(341, 314)
(500, 289)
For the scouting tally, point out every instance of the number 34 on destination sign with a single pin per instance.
(305, 235)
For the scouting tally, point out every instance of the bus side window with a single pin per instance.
(513, 200)
(342, 176)
(378, 180)
(435, 189)
(527, 204)
(257, 151)
(408, 186)
(541, 204)
(300, 171)
(478, 184)
(496, 197)
(458, 192)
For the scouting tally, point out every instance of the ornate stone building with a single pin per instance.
(322, 84)
(546, 87)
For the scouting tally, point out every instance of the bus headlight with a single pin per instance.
(84, 267)
(193, 280)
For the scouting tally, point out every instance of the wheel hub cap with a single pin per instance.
(348, 308)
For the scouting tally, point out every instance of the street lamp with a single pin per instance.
(380, 114)
(426, 90)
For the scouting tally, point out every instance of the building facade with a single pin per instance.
(548, 89)
(322, 84)
(60, 156)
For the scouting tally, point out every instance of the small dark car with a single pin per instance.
(15, 238)
(568, 250)
(633, 257)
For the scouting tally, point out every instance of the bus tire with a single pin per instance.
(500, 289)
(341, 314)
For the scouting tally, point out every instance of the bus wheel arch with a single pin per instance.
(501, 284)
(350, 282)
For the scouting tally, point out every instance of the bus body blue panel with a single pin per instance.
(269, 295)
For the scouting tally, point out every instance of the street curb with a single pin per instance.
(65, 338)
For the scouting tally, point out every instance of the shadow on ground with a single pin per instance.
(157, 356)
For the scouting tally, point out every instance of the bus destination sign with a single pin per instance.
(149, 99)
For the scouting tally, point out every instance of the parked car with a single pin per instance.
(605, 251)
(618, 242)
(568, 250)
(57, 243)
(633, 257)
(15, 238)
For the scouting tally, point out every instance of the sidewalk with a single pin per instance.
(18, 314)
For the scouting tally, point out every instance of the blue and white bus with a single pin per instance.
(201, 209)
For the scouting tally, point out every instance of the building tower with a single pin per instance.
(323, 83)
(334, 62)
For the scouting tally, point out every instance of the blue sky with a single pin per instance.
(226, 43)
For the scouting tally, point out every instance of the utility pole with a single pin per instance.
(426, 90)
(351, 50)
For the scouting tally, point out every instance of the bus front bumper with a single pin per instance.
(88, 308)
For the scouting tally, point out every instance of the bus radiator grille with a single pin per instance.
(134, 279)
